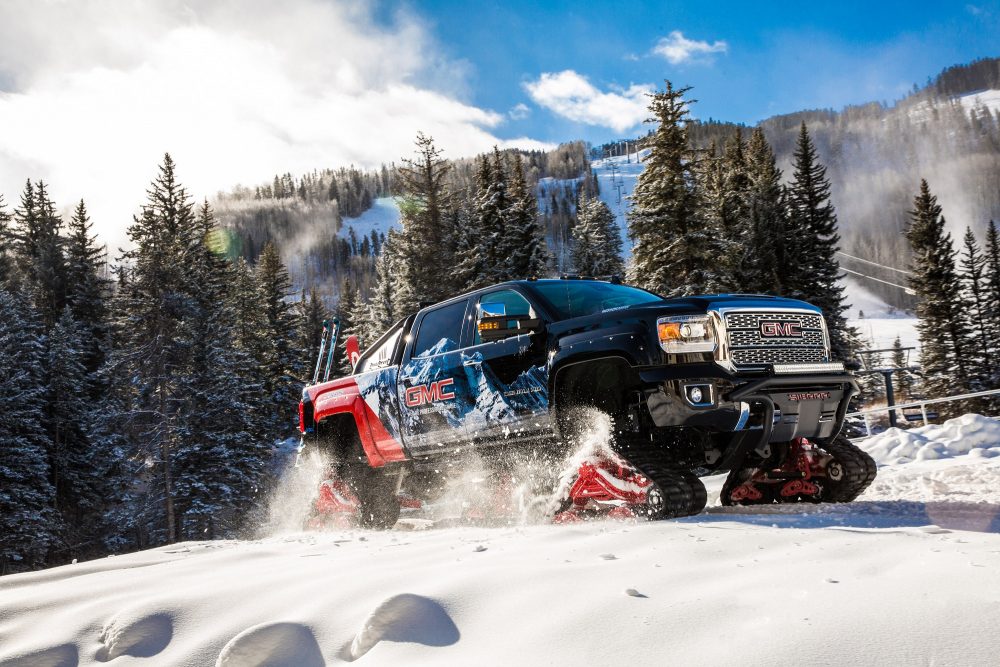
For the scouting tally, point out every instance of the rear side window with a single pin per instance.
(381, 356)
(440, 330)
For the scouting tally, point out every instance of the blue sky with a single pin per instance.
(772, 57)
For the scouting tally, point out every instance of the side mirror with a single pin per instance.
(494, 324)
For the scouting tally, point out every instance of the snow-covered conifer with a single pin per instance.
(943, 331)
(813, 273)
(674, 251)
(27, 522)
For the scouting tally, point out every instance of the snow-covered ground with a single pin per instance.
(908, 574)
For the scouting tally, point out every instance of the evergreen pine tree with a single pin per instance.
(903, 381)
(26, 494)
(39, 250)
(815, 273)
(489, 219)
(715, 209)
(425, 217)
(529, 253)
(76, 463)
(974, 291)
(674, 249)
(383, 308)
(764, 257)
(283, 367)
(151, 348)
(221, 451)
(736, 189)
(87, 289)
(597, 242)
(312, 314)
(6, 261)
(347, 313)
(991, 278)
(475, 231)
(943, 333)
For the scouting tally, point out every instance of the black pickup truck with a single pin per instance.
(693, 386)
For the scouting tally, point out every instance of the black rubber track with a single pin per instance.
(859, 471)
(684, 493)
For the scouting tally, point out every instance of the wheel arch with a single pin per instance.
(603, 381)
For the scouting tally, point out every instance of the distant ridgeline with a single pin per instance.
(947, 131)
(305, 215)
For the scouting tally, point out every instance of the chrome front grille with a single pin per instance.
(748, 346)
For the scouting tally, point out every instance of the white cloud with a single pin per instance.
(571, 95)
(520, 111)
(678, 49)
(93, 93)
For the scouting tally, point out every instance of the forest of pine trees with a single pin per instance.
(959, 297)
(143, 409)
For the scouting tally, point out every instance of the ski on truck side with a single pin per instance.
(692, 386)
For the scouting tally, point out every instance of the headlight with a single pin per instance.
(690, 333)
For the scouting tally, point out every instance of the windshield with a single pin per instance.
(576, 298)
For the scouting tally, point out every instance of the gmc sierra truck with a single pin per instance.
(693, 386)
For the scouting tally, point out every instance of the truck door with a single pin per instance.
(506, 360)
(433, 392)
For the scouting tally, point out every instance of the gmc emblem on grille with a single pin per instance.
(776, 329)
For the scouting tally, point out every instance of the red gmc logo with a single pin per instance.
(775, 329)
(429, 393)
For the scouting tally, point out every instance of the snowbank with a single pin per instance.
(954, 462)
(969, 435)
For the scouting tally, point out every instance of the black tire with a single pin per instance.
(857, 471)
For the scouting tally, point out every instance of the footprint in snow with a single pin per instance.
(272, 645)
(138, 636)
(403, 618)
(608, 557)
(64, 655)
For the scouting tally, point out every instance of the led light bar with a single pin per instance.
(791, 369)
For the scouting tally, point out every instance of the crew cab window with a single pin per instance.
(576, 298)
(506, 302)
(381, 355)
(440, 330)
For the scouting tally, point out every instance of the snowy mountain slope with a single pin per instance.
(990, 99)
(880, 581)
(380, 218)
(878, 323)
(616, 178)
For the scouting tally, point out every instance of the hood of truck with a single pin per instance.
(705, 303)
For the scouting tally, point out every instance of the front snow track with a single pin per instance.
(833, 472)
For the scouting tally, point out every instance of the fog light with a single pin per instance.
(694, 393)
